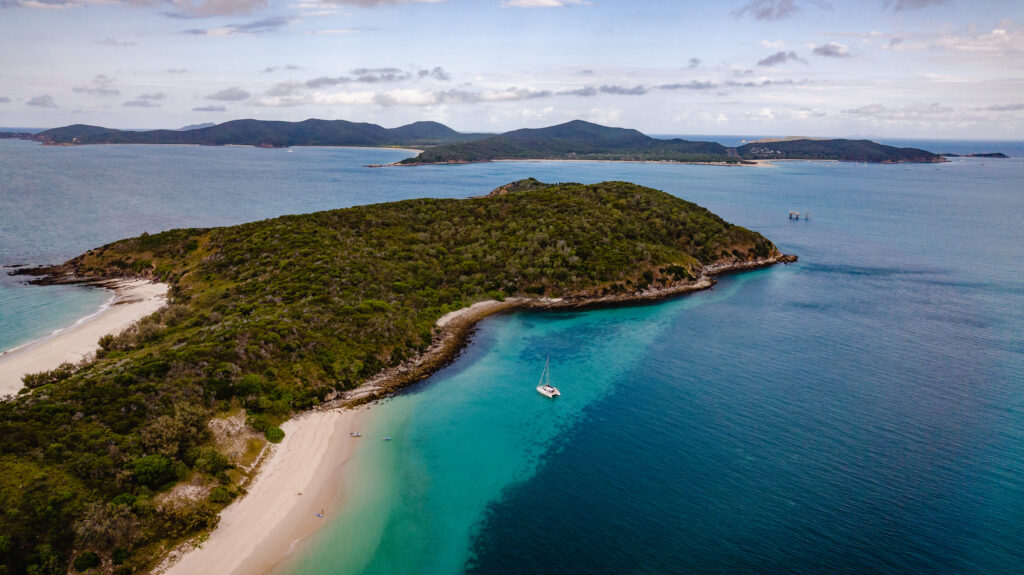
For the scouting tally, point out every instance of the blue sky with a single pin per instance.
(871, 68)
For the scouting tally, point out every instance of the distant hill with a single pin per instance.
(845, 150)
(979, 155)
(575, 140)
(267, 134)
(427, 133)
(196, 126)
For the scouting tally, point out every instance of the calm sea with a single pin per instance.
(860, 411)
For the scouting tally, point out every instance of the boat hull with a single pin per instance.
(548, 391)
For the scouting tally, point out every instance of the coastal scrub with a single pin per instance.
(278, 316)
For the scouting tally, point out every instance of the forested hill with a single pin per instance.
(310, 132)
(578, 140)
(575, 140)
(272, 317)
(844, 150)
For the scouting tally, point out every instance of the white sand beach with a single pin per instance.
(133, 300)
(298, 480)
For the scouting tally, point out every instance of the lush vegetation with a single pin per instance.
(576, 140)
(272, 317)
(845, 150)
(266, 134)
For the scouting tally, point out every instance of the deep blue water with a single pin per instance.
(860, 411)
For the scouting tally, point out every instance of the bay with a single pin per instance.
(859, 411)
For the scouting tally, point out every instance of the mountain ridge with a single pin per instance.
(573, 140)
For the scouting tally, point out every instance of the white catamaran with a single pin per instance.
(545, 388)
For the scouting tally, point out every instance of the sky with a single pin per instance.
(830, 68)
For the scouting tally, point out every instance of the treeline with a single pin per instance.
(272, 317)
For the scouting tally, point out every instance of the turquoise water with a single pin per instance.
(412, 503)
(861, 411)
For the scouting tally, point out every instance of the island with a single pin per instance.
(260, 133)
(579, 140)
(440, 144)
(978, 155)
(576, 140)
(839, 150)
(120, 458)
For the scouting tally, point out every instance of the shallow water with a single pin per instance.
(860, 411)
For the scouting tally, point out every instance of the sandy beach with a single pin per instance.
(133, 300)
(298, 480)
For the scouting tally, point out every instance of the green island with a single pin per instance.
(578, 140)
(260, 133)
(575, 140)
(115, 461)
(840, 150)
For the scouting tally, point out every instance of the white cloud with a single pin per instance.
(44, 101)
(331, 32)
(532, 113)
(915, 116)
(545, 3)
(375, 3)
(232, 94)
(832, 50)
(605, 116)
(1005, 38)
(101, 85)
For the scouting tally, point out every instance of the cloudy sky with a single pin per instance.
(871, 68)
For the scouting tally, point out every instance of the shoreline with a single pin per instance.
(743, 163)
(301, 477)
(264, 528)
(71, 145)
(454, 328)
(749, 163)
(132, 299)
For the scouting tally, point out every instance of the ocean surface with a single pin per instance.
(860, 411)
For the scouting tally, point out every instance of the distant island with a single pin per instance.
(985, 155)
(575, 140)
(260, 133)
(274, 317)
(579, 140)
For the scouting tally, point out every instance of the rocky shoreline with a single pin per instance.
(454, 329)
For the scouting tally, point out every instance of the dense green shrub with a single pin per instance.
(86, 560)
(274, 434)
(219, 494)
(153, 471)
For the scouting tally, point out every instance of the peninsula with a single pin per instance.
(139, 450)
